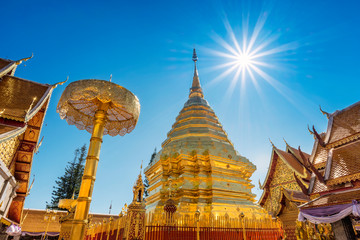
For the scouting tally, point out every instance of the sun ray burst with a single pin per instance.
(249, 54)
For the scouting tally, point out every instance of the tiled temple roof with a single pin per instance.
(345, 165)
(291, 157)
(340, 153)
(343, 124)
(23, 106)
(21, 98)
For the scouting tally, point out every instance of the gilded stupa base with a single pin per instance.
(250, 210)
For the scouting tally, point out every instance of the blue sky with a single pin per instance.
(147, 47)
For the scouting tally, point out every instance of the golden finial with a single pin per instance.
(323, 112)
(311, 132)
(286, 142)
(260, 186)
(24, 59)
(24, 217)
(272, 144)
(110, 207)
(73, 195)
(60, 83)
(194, 57)
(39, 145)
(31, 105)
(31, 185)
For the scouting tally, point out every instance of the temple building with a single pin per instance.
(198, 167)
(23, 105)
(45, 224)
(282, 194)
(334, 188)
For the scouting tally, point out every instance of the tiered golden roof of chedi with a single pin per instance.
(198, 166)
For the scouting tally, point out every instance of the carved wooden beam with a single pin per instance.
(313, 169)
(321, 141)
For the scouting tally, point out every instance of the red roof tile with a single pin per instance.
(345, 163)
(344, 123)
(294, 163)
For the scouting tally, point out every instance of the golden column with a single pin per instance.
(101, 107)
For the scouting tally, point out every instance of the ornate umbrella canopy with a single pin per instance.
(81, 99)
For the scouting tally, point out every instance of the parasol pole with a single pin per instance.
(89, 176)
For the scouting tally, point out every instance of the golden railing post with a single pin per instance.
(102, 229)
(243, 224)
(89, 176)
(109, 228)
(119, 220)
(197, 216)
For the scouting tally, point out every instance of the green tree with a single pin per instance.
(68, 185)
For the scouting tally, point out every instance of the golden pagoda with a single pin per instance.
(198, 167)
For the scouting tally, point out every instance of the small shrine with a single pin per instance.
(136, 212)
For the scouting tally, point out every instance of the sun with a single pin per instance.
(248, 54)
(243, 60)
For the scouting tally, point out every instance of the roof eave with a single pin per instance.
(8, 68)
(40, 104)
(12, 134)
(301, 174)
(266, 181)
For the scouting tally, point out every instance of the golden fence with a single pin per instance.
(191, 227)
(107, 230)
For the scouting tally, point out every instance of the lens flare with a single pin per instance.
(247, 57)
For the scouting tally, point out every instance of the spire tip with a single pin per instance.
(194, 57)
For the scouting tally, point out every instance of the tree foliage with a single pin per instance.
(68, 185)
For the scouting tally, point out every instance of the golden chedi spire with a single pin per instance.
(195, 90)
(199, 164)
